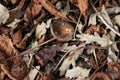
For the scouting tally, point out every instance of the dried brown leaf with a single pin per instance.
(50, 7)
(7, 47)
(83, 6)
(31, 12)
(17, 37)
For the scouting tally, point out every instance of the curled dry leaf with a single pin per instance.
(4, 14)
(100, 75)
(7, 46)
(50, 7)
(46, 54)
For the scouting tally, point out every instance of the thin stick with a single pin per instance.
(76, 27)
(104, 21)
(61, 60)
(29, 50)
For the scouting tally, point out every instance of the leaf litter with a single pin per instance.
(34, 42)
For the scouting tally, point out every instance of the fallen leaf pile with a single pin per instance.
(59, 39)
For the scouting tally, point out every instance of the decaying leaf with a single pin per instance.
(19, 70)
(46, 54)
(103, 41)
(73, 56)
(4, 14)
(77, 72)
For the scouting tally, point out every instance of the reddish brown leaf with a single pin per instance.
(17, 37)
(101, 76)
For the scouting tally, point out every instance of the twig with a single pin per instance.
(61, 60)
(104, 21)
(29, 50)
(76, 26)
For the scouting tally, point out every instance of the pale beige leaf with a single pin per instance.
(117, 19)
(103, 41)
(4, 14)
(14, 24)
(42, 28)
(77, 72)
(33, 73)
(73, 56)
